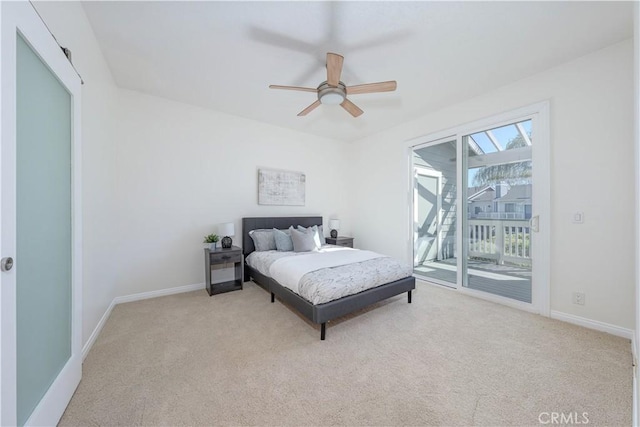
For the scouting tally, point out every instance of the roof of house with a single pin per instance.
(479, 194)
(487, 193)
(486, 196)
(517, 193)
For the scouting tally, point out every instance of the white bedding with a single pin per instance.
(261, 261)
(288, 271)
(329, 274)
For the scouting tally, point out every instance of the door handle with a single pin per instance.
(6, 264)
(534, 223)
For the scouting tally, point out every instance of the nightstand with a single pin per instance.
(220, 258)
(340, 241)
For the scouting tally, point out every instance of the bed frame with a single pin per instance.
(320, 313)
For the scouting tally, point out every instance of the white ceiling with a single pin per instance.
(224, 55)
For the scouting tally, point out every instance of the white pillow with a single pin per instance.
(317, 233)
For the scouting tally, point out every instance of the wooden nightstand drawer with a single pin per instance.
(340, 241)
(219, 258)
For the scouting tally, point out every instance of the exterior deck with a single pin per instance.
(504, 280)
(499, 258)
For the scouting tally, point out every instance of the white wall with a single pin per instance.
(592, 169)
(159, 175)
(181, 170)
(70, 26)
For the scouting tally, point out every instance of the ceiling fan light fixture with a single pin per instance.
(332, 98)
(332, 95)
(334, 92)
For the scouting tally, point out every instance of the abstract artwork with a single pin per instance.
(283, 188)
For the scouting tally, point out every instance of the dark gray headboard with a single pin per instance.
(280, 222)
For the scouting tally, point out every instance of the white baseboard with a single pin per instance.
(96, 331)
(159, 293)
(130, 298)
(593, 324)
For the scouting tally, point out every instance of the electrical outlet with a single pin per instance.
(578, 298)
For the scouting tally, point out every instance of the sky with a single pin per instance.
(503, 134)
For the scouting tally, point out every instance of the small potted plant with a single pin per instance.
(212, 239)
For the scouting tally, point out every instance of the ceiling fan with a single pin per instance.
(334, 92)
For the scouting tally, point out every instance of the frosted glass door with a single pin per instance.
(43, 227)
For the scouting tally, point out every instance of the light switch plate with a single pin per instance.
(578, 217)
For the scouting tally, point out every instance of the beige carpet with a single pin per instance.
(446, 359)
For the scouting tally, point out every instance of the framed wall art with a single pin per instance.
(282, 188)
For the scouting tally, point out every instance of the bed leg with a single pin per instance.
(409, 296)
(273, 297)
(323, 331)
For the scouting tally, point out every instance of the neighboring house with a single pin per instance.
(500, 201)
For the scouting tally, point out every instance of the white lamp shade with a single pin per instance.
(334, 224)
(226, 229)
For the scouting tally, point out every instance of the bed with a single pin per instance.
(319, 313)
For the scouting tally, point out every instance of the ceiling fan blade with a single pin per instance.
(389, 86)
(351, 108)
(334, 68)
(309, 109)
(304, 89)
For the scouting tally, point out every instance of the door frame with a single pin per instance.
(421, 170)
(21, 17)
(541, 197)
(423, 142)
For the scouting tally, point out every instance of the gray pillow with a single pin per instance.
(263, 240)
(283, 239)
(318, 233)
(303, 241)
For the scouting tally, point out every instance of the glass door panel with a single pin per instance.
(434, 216)
(43, 207)
(498, 173)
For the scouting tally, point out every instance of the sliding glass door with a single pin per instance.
(478, 199)
(434, 215)
(498, 170)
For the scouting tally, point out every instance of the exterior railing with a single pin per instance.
(498, 215)
(501, 240)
